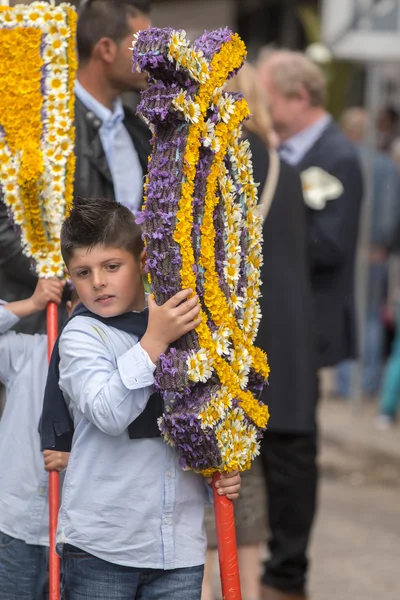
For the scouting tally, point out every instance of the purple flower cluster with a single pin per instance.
(211, 41)
(199, 447)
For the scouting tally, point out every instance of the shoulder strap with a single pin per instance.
(270, 184)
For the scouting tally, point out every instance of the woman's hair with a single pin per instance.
(246, 82)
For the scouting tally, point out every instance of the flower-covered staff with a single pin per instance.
(37, 162)
(202, 231)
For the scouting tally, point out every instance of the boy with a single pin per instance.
(24, 522)
(131, 521)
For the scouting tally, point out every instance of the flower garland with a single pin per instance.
(37, 162)
(202, 231)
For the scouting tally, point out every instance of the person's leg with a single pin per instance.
(390, 393)
(373, 342)
(177, 584)
(291, 474)
(343, 379)
(43, 585)
(22, 569)
(249, 565)
(207, 588)
(86, 577)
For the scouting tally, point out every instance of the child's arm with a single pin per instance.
(47, 290)
(112, 398)
(229, 485)
(13, 345)
(55, 461)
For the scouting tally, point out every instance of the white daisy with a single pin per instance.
(200, 366)
(192, 112)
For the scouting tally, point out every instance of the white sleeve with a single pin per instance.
(111, 397)
(12, 345)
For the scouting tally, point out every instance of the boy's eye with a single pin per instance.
(113, 267)
(83, 273)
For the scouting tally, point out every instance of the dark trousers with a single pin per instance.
(289, 462)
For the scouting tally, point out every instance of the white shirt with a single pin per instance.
(125, 501)
(294, 149)
(24, 512)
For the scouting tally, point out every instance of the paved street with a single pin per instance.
(356, 547)
(356, 544)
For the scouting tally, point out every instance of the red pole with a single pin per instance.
(227, 547)
(54, 485)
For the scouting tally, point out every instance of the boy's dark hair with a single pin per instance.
(106, 18)
(103, 222)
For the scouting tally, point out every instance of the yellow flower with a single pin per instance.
(192, 112)
(180, 101)
(178, 38)
(55, 83)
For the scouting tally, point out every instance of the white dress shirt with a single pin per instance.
(294, 149)
(125, 501)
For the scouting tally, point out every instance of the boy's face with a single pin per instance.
(108, 280)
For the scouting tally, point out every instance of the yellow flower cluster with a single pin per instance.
(237, 443)
(190, 110)
(187, 58)
(37, 69)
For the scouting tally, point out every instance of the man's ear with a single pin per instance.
(106, 50)
(302, 94)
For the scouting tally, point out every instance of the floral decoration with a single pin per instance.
(319, 187)
(37, 162)
(203, 231)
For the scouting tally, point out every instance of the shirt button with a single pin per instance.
(86, 392)
(169, 474)
(165, 521)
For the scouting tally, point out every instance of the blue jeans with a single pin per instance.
(86, 577)
(23, 570)
(372, 356)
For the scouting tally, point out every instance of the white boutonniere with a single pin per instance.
(319, 187)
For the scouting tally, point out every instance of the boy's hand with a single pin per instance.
(169, 322)
(229, 485)
(55, 461)
(47, 290)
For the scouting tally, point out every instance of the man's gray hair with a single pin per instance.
(289, 70)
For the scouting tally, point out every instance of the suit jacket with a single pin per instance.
(287, 328)
(92, 174)
(92, 179)
(332, 241)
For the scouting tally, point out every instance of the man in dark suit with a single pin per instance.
(332, 188)
(112, 144)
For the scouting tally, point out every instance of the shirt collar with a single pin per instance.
(108, 117)
(299, 144)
